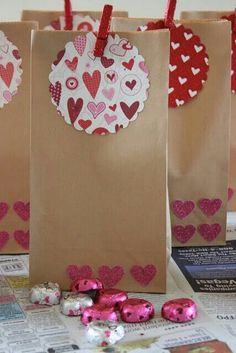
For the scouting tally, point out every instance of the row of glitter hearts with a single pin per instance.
(20, 236)
(182, 209)
(110, 276)
(22, 210)
(209, 232)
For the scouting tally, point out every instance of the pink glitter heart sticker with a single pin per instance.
(22, 238)
(75, 272)
(230, 193)
(209, 231)
(22, 210)
(184, 233)
(143, 275)
(210, 207)
(110, 276)
(4, 237)
(182, 208)
(3, 209)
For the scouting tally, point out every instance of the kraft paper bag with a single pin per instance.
(15, 40)
(232, 168)
(99, 202)
(54, 20)
(198, 142)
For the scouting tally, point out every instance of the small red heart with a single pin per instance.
(72, 65)
(59, 57)
(113, 107)
(111, 76)
(106, 62)
(128, 64)
(55, 91)
(85, 123)
(74, 108)
(16, 54)
(131, 84)
(129, 111)
(56, 25)
(118, 127)
(6, 73)
(92, 82)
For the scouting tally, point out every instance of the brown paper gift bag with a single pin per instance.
(55, 19)
(232, 168)
(198, 143)
(99, 202)
(15, 39)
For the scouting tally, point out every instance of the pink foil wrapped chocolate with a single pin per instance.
(98, 312)
(85, 285)
(47, 293)
(72, 304)
(136, 310)
(179, 310)
(111, 297)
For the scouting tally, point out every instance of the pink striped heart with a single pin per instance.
(22, 210)
(110, 118)
(80, 44)
(209, 231)
(22, 238)
(184, 233)
(143, 275)
(210, 207)
(3, 209)
(96, 109)
(182, 208)
(74, 272)
(4, 237)
(110, 276)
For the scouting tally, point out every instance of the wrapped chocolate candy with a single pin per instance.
(98, 312)
(136, 310)
(86, 285)
(179, 310)
(104, 333)
(47, 293)
(72, 304)
(111, 297)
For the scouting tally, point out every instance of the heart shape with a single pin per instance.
(117, 49)
(55, 91)
(7, 95)
(128, 64)
(184, 233)
(110, 118)
(110, 276)
(108, 93)
(129, 111)
(80, 44)
(59, 57)
(6, 73)
(106, 62)
(3, 209)
(4, 237)
(75, 272)
(143, 275)
(16, 54)
(96, 109)
(22, 238)
(230, 193)
(131, 84)
(22, 210)
(143, 67)
(113, 107)
(84, 123)
(92, 82)
(210, 207)
(72, 64)
(74, 108)
(182, 208)
(209, 231)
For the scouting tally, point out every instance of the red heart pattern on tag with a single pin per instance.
(75, 272)
(143, 275)
(6, 73)
(129, 111)
(74, 108)
(107, 62)
(55, 91)
(92, 82)
(22, 238)
(72, 64)
(110, 276)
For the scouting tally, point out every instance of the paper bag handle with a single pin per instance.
(103, 31)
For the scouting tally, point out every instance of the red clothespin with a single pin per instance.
(170, 12)
(68, 15)
(234, 24)
(103, 31)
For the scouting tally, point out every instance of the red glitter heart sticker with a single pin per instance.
(188, 65)
(232, 19)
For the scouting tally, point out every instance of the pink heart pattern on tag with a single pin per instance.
(143, 275)
(209, 231)
(3, 209)
(74, 272)
(182, 208)
(110, 276)
(22, 238)
(184, 233)
(117, 81)
(22, 210)
(210, 207)
(4, 237)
